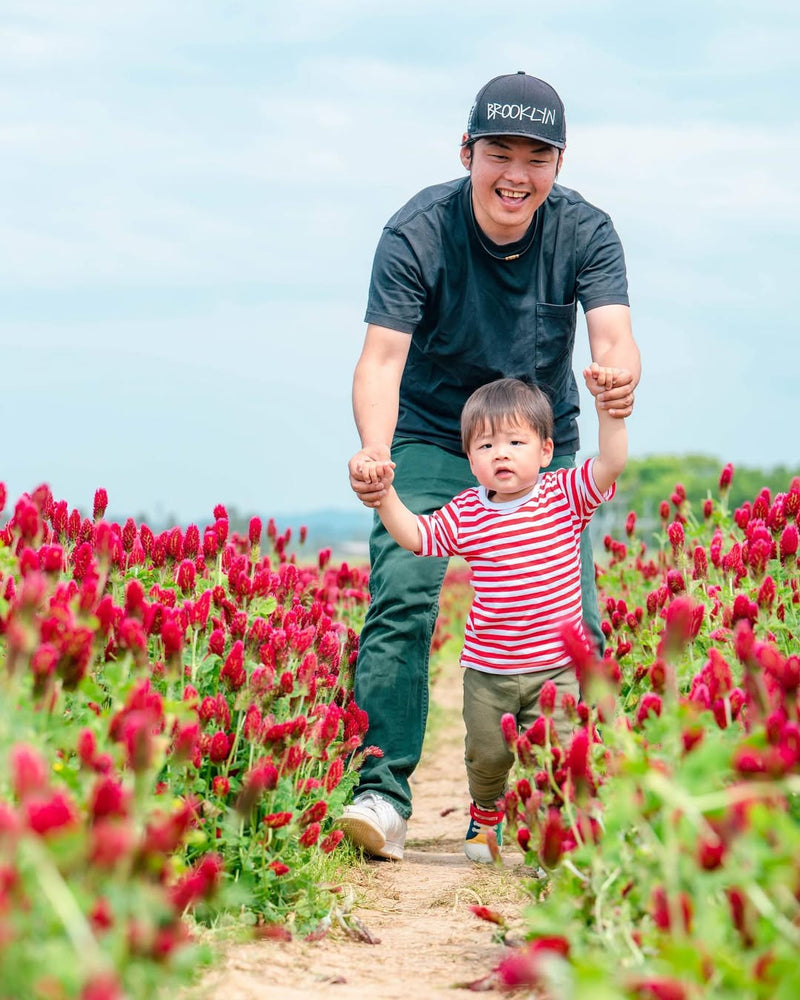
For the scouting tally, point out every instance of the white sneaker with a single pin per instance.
(373, 823)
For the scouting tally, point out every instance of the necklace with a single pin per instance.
(493, 253)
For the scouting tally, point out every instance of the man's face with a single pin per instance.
(511, 178)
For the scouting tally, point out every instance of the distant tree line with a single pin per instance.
(648, 481)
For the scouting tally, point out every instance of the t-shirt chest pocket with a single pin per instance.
(554, 341)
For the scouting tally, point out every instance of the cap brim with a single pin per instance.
(521, 135)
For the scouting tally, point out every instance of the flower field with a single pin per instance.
(667, 833)
(177, 735)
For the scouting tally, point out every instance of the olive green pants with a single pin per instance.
(487, 698)
(391, 682)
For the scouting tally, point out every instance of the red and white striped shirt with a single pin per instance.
(526, 567)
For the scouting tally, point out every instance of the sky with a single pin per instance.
(193, 191)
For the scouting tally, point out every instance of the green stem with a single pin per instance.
(64, 905)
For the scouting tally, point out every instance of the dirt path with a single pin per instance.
(427, 940)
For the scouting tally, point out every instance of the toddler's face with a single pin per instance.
(507, 460)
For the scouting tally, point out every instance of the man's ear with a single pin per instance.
(547, 452)
(465, 153)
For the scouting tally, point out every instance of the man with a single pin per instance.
(473, 280)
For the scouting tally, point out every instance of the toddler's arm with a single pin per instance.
(398, 520)
(613, 434)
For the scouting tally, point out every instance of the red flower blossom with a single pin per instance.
(331, 842)
(649, 705)
(279, 867)
(221, 785)
(172, 636)
(101, 916)
(86, 747)
(137, 731)
(216, 642)
(725, 479)
(108, 798)
(748, 760)
(662, 911)
(261, 778)
(110, 842)
(100, 503)
(185, 740)
(741, 915)
(547, 698)
(675, 582)
(508, 724)
(199, 883)
(659, 988)
(185, 576)
(50, 814)
(29, 771)
(767, 593)
(676, 536)
(210, 543)
(490, 916)
(314, 813)
(579, 761)
(744, 609)
(710, 853)
(310, 835)
(221, 530)
(790, 538)
(103, 986)
(165, 833)
(233, 673)
(553, 836)
(220, 747)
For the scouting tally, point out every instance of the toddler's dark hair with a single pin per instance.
(506, 399)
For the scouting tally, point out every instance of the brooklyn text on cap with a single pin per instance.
(518, 104)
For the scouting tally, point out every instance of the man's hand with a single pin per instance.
(371, 473)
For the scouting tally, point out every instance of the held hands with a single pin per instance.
(371, 474)
(612, 389)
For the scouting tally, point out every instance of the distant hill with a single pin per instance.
(346, 532)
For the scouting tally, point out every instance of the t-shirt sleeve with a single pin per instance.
(439, 531)
(397, 293)
(601, 275)
(581, 491)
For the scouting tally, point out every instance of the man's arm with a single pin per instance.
(612, 345)
(376, 394)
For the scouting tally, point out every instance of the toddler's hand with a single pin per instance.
(599, 378)
(371, 471)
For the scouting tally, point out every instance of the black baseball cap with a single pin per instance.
(518, 104)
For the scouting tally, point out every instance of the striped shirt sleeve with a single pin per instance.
(581, 491)
(439, 531)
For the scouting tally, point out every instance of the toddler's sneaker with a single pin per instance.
(476, 845)
(373, 823)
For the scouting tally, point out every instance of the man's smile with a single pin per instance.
(513, 195)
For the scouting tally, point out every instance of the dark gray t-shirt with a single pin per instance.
(475, 317)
